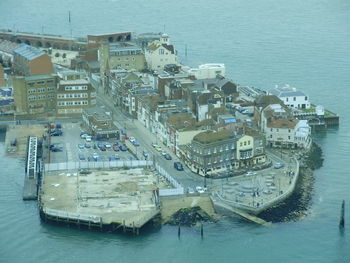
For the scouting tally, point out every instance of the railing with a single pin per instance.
(70, 215)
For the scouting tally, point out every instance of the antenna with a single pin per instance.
(70, 24)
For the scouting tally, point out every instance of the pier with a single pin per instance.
(30, 190)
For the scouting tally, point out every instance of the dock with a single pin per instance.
(30, 189)
(230, 210)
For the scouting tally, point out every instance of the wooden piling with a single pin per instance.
(124, 229)
(342, 215)
(133, 228)
(202, 230)
(179, 231)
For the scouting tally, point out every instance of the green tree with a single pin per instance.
(57, 55)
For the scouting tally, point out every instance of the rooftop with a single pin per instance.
(98, 113)
(286, 91)
(211, 136)
(28, 52)
(75, 81)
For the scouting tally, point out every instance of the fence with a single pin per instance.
(177, 190)
(95, 165)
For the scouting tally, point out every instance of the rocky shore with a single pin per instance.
(297, 205)
(189, 217)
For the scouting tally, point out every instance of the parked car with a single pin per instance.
(200, 189)
(87, 145)
(123, 148)
(88, 138)
(116, 148)
(84, 135)
(167, 156)
(136, 143)
(278, 165)
(178, 166)
(132, 139)
(103, 148)
(56, 132)
(145, 154)
(190, 190)
(81, 146)
(154, 144)
(81, 156)
(108, 145)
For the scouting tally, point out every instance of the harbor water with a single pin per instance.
(262, 43)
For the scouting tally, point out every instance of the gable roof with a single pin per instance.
(28, 52)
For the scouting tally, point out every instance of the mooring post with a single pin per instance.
(124, 229)
(133, 227)
(342, 219)
(179, 231)
(202, 230)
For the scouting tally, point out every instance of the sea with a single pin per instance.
(262, 43)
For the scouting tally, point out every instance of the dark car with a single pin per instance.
(123, 148)
(167, 156)
(81, 156)
(116, 148)
(178, 166)
(56, 132)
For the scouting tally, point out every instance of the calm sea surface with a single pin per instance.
(262, 43)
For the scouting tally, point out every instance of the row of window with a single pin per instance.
(214, 149)
(277, 130)
(125, 52)
(41, 97)
(126, 59)
(245, 143)
(72, 103)
(294, 99)
(40, 90)
(125, 65)
(75, 88)
(72, 95)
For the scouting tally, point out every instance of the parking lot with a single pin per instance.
(71, 147)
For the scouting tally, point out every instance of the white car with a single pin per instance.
(132, 139)
(108, 145)
(200, 189)
(88, 138)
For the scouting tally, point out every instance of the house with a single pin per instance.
(28, 60)
(282, 129)
(291, 97)
(160, 53)
(99, 123)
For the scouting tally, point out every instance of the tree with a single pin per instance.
(64, 55)
(57, 55)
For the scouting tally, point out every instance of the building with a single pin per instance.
(28, 60)
(291, 97)
(94, 41)
(211, 152)
(35, 94)
(207, 71)
(71, 75)
(160, 53)
(99, 123)
(75, 95)
(2, 76)
(282, 129)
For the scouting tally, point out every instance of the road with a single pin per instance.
(134, 128)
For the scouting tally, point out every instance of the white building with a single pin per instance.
(291, 97)
(282, 130)
(207, 71)
(160, 53)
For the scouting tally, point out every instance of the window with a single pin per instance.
(305, 98)
(161, 51)
(286, 99)
(288, 137)
(245, 143)
(294, 98)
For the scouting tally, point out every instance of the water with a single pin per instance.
(262, 43)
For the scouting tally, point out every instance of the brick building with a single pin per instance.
(75, 95)
(28, 60)
(99, 123)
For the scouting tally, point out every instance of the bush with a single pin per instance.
(64, 55)
(57, 55)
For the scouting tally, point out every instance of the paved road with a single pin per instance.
(145, 138)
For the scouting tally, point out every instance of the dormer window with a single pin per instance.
(161, 51)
